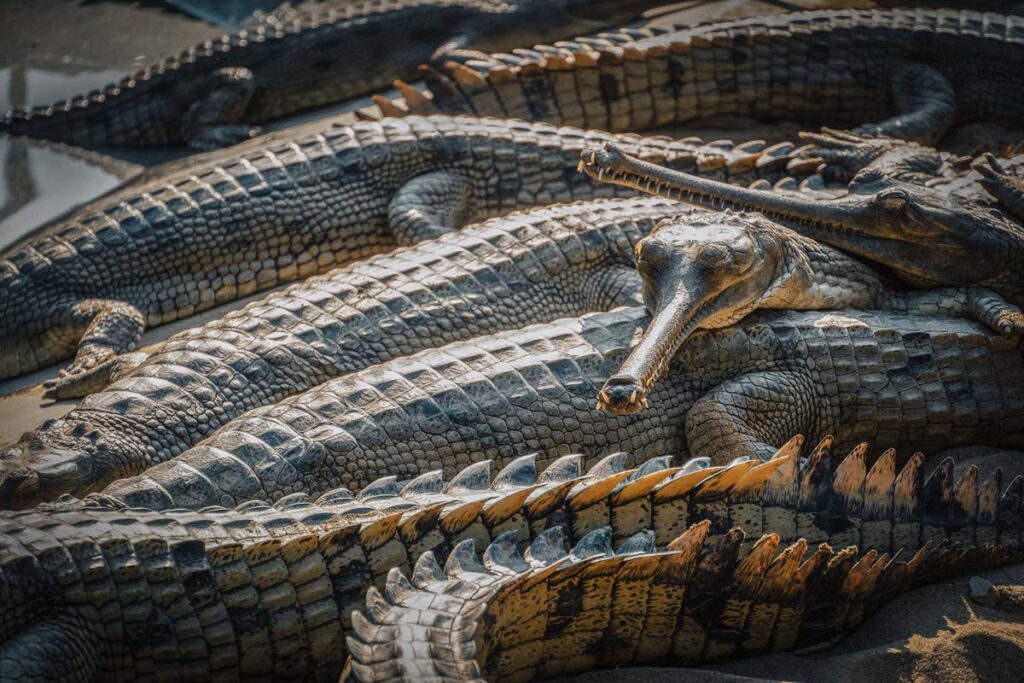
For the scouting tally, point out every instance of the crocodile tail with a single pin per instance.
(510, 616)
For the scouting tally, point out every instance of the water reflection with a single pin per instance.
(40, 181)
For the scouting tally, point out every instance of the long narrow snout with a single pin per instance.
(625, 393)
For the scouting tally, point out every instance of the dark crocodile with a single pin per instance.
(93, 592)
(915, 382)
(544, 613)
(191, 236)
(528, 267)
(914, 72)
(214, 94)
(927, 236)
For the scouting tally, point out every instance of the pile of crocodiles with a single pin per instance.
(677, 392)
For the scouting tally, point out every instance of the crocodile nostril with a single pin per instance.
(622, 395)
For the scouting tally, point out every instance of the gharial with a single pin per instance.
(216, 93)
(914, 382)
(94, 592)
(913, 72)
(710, 270)
(926, 236)
(186, 237)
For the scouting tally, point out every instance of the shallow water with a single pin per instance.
(39, 182)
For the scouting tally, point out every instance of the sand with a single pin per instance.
(935, 633)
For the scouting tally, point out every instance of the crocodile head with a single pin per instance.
(42, 467)
(699, 272)
(924, 235)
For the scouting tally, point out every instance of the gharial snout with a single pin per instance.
(622, 395)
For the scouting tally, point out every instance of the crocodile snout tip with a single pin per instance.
(622, 396)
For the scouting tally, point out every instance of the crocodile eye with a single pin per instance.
(651, 254)
(714, 255)
(893, 200)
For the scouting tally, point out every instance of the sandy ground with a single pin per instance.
(54, 48)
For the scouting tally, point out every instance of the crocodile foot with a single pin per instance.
(1004, 187)
(845, 153)
(93, 374)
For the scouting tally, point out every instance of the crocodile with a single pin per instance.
(179, 241)
(913, 72)
(927, 236)
(92, 591)
(215, 93)
(925, 383)
(709, 271)
(510, 616)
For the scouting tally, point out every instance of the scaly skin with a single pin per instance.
(214, 93)
(914, 72)
(927, 236)
(704, 271)
(192, 236)
(914, 382)
(96, 592)
(529, 267)
(506, 616)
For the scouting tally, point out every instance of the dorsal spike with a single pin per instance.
(988, 497)
(694, 464)
(385, 486)
(964, 506)
(547, 547)
(502, 555)
(335, 497)
(1011, 515)
(596, 543)
(640, 542)
(475, 477)
(463, 559)
(608, 465)
(738, 459)
(907, 489)
(300, 498)
(519, 473)
(397, 586)
(566, 468)
(938, 492)
(816, 477)
(427, 571)
(848, 482)
(377, 605)
(878, 487)
(653, 465)
(425, 484)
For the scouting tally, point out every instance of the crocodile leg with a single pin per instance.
(428, 206)
(213, 121)
(111, 328)
(1006, 188)
(982, 303)
(744, 416)
(926, 102)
